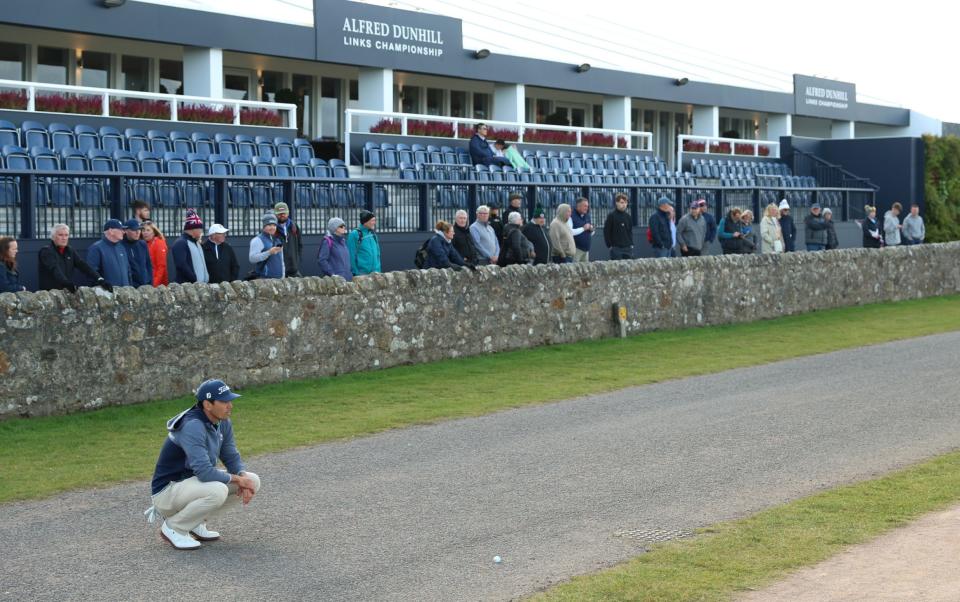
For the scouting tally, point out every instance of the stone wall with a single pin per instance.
(62, 352)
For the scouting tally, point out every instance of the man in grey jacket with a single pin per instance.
(187, 486)
(692, 232)
(485, 238)
(913, 231)
(892, 226)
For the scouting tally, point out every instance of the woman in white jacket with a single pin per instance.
(771, 238)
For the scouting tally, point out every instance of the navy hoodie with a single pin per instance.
(109, 259)
(191, 449)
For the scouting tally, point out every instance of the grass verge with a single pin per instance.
(732, 557)
(43, 456)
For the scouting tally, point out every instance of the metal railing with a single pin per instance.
(826, 173)
(168, 107)
(84, 200)
(726, 147)
(360, 121)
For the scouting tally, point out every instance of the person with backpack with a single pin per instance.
(515, 248)
(364, 246)
(334, 257)
(439, 250)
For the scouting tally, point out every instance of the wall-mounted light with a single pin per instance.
(481, 54)
(683, 81)
(112, 3)
(582, 68)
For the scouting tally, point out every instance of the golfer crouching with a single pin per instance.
(187, 486)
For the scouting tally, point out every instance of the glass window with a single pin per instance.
(272, 82)
(598, 116)
(330, 107)
(171, 77)
(635, 120)
(578, 117)
(543, 110)
(648, 120)
(410, 99)
(95, 71)
(303, 89)
(51, 65)
(528, 115)
(236, 86)
(481, 105)
(135, 73)
(13, 61)
(435, 101)
(354, 89)
(458, 103)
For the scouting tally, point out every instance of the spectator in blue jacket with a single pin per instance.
(480, 151)
(141, 270)
(266, 250)
(787, 228)
(582, 227)
(334, 257)
(108, 257)
(661, 234)
(440, 251)
(188, 260)
(710, 222)
(9, 276)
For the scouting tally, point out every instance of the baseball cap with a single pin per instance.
(216, 229)
(665, 201)
(215, 390)
(113, 224)
(131, 224)
(268, 218)
(281, 208)
(784, 204)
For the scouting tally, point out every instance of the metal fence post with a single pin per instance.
(117, 184)
(423, 198)
(635, 205)
(27, 203)
(220, 202)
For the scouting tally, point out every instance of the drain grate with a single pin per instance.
(652, 534)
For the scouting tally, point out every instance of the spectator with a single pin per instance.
(537, 234)
(141, 211)
(9, 276)
(692, 231)
(516, 249)
(141, 268)
(289, 233)
(892, 225)
(57, 262)
(514, 203)
(913, 229)
(750, 238)
(440, 251)
(673, 231)
(485, 237)
(871, 229)
(334, 257)
(660, 234)
(495, 222)
(788, 229)
(107, 256)
(266, 250)
(771, 238)
(480, 151)
(511, 154)
(218, 255)
(463, 239)
(832, 241)
(562, 246)
(728, 231)
(157, 246)
(188, 262)
(711, 223)
(582, 228)
(815, 229)
(618, 230)
(364, 246)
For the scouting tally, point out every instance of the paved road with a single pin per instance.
(557, 490)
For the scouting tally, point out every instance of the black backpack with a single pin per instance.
(420, 259)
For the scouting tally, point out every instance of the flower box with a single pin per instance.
(13, 100)
(692, 146)
(265, 117)
(763, 151)
(140, 109)
(386, 126)
(743, 149)
(604, 140)
(431, 129)
(68, 103)
(205, 114)
(720, 148)
(550, 137)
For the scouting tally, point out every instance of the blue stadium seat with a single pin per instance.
(60, 192)
(100, 160)
(285, 149)
(111, 139)
(265, 194)
(203, 144)
(159, 142)
(34, 134)
(404, 155)
(61, 136)
(226, 145)
(240, 191)
(304, 148)
(265, 147)
(91, 192)
(9, 136)
(86, 137)
(136, 140)
(182, 143)
(246, 146)
(372, 155)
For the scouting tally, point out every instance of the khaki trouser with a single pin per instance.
(581, 256)
(188, 503)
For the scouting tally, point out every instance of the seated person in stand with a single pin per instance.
(480, 151)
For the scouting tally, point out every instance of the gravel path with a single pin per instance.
(555, 490)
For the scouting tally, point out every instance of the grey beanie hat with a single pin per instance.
(333, 224)
(268, 218)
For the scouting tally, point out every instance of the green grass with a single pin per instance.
(750, 553)
(43, 456)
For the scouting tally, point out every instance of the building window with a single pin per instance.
(236, 86)
(528, 112)
(635, 120)
(598, 116)
(648, 121)
(354, 89)
(410, 99)
(51, 65)
(13, 61)
(435, 101)
(95, 70)
(272, 82)
(458, 103)
(135, 73)
(543, 110)
(481, 105)
(171, 77)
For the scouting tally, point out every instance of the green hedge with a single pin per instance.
(942, 184)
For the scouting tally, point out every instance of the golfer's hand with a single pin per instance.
(245, 495)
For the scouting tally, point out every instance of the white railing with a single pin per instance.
(174, 103)
(360, 121)
(727, 147)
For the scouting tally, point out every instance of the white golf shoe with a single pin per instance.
(180, 542)
(202, 533)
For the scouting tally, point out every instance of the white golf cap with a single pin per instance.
(216, 229)
(784, 204)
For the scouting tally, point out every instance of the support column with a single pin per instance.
(706, 121)
(616, 112)
(843, 130)
(779, 124)
(509, 103)
(203, 72)
(375, 90)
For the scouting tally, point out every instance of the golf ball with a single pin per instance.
(497, 559)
